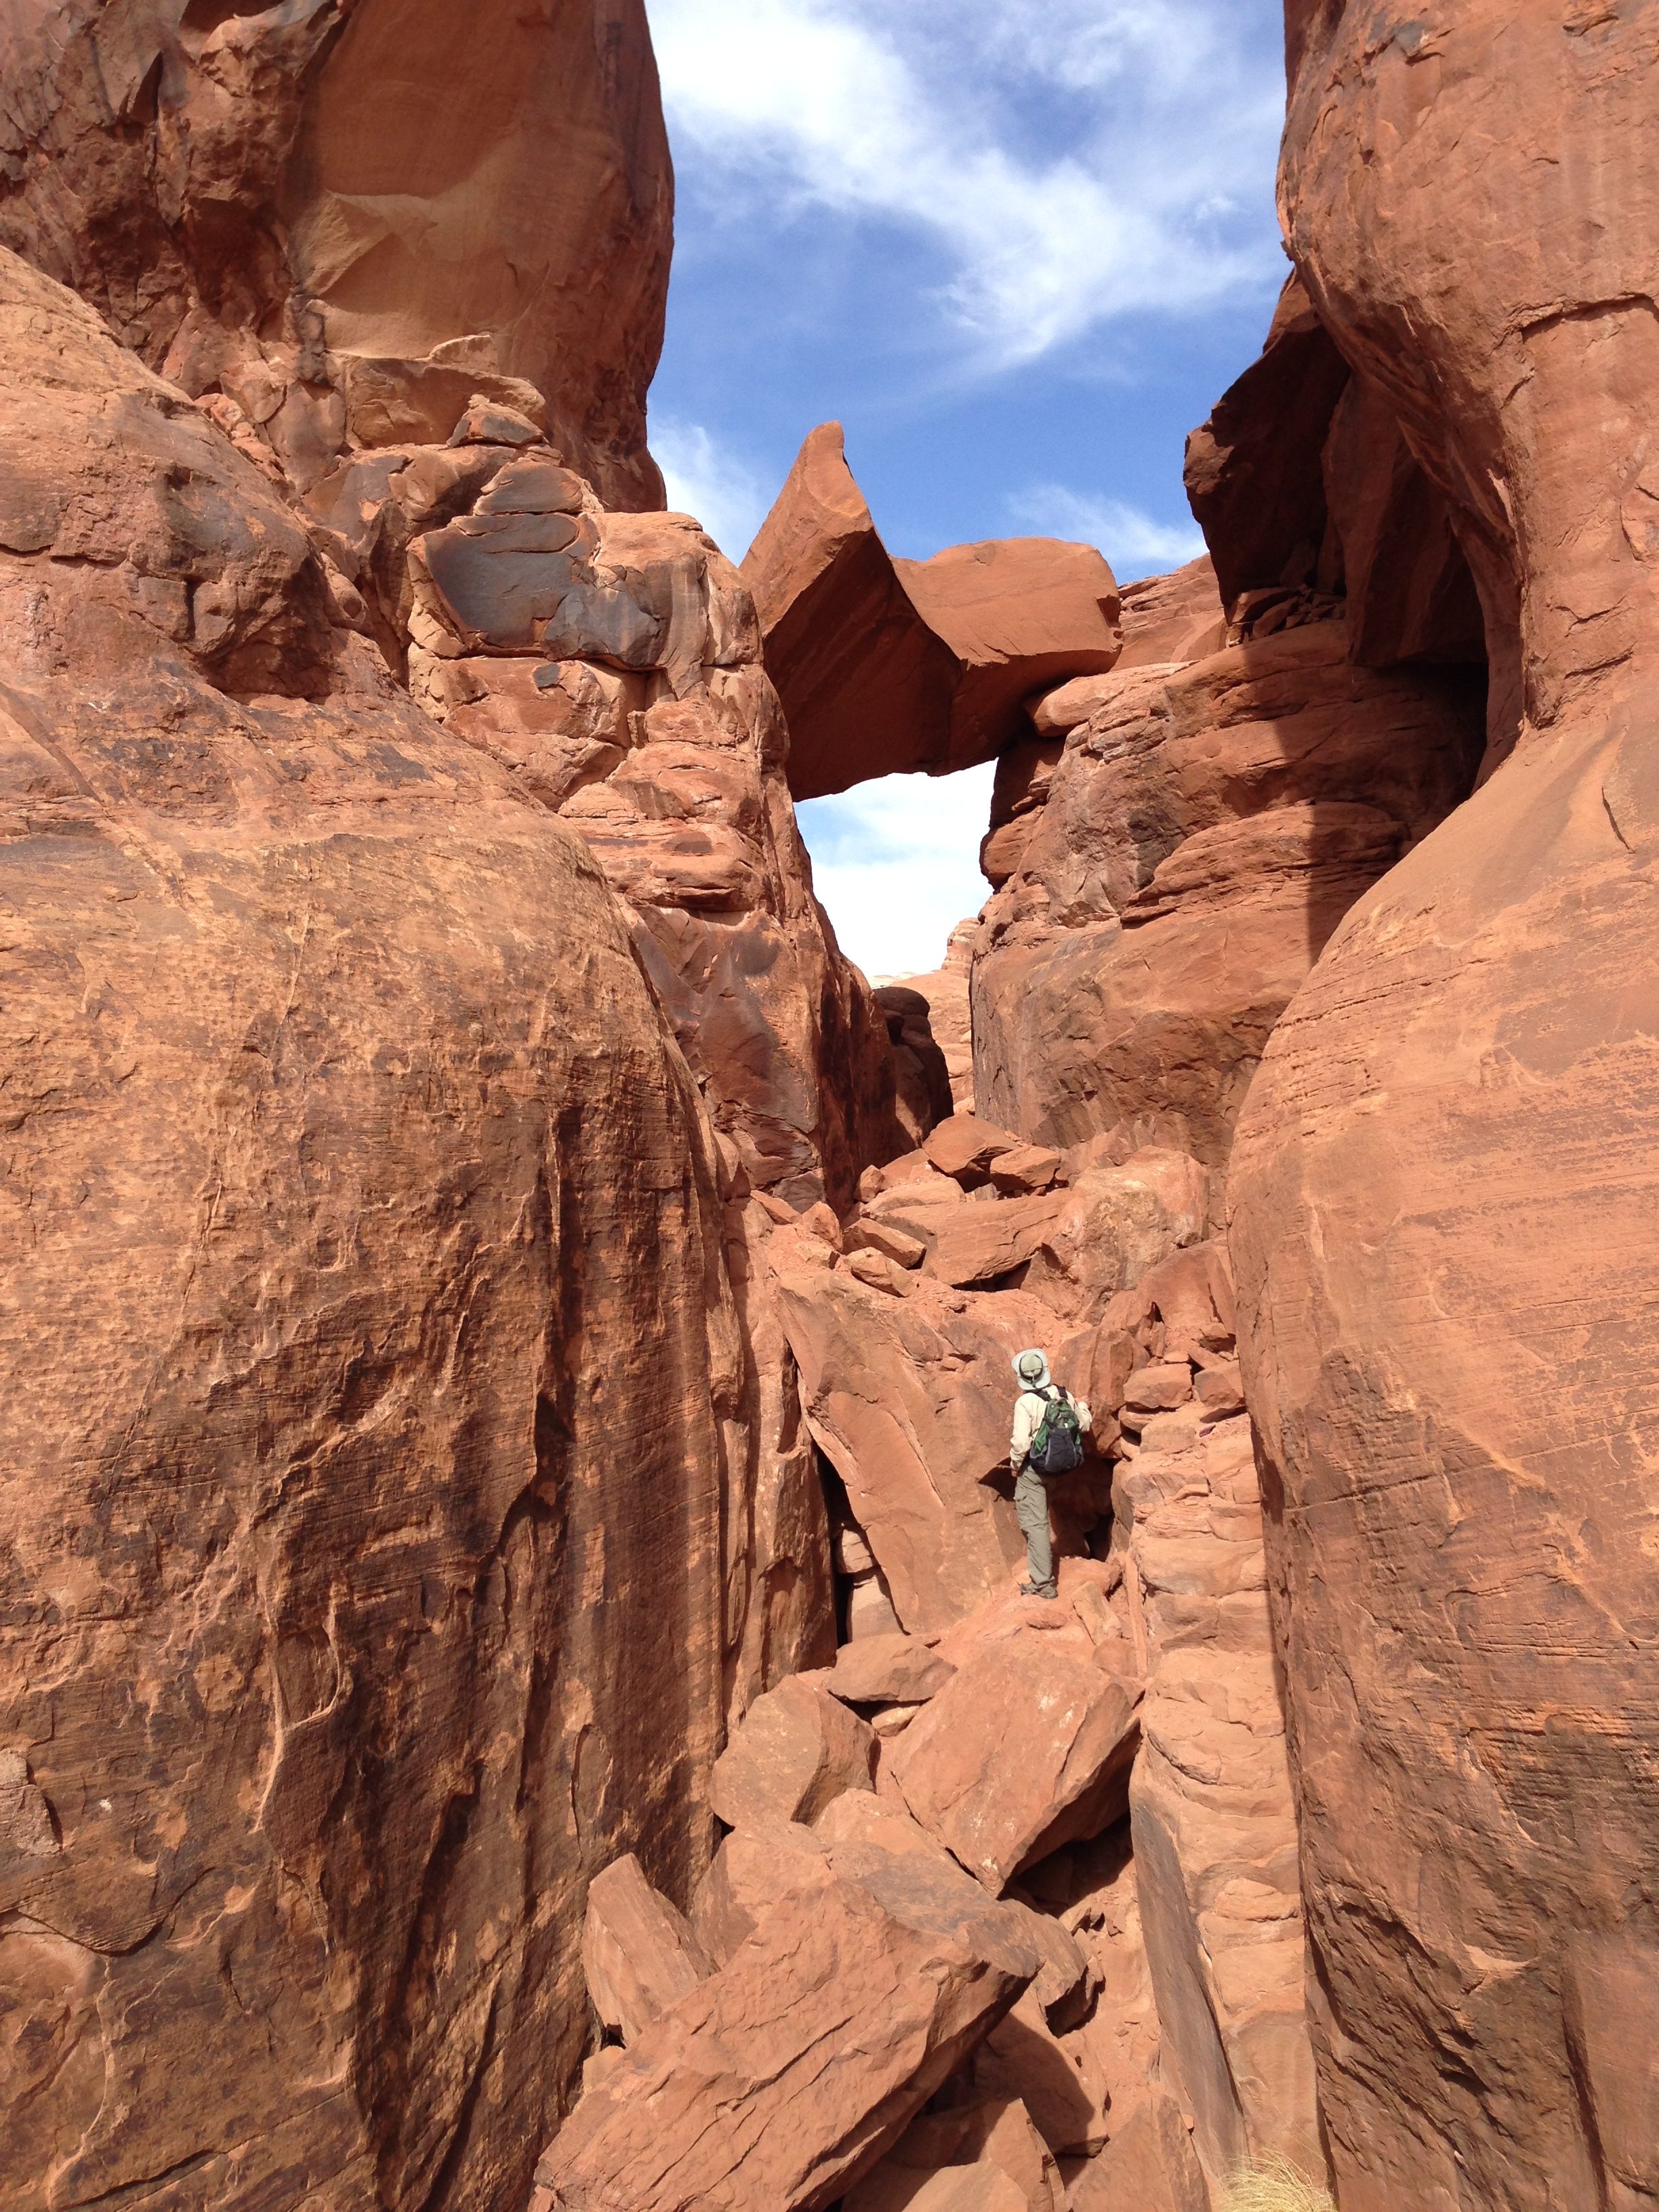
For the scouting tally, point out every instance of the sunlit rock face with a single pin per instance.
(1446, 1183)
(346, 219)
(369, 1359)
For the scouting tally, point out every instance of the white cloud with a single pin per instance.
(706, 479)
(1115, 189)
(896, 864)
(1133, 542)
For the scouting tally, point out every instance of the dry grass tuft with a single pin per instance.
(1274, 2184)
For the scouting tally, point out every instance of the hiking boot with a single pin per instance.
(1038, 1589)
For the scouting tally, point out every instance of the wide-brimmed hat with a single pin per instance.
(1038, 1379)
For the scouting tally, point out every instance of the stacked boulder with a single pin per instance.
(1099, 1779)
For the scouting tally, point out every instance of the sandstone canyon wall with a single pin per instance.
(405, 1479)
(339, 222)
(1444, 1184)
(508, 1541)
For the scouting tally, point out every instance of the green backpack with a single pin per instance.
(1057, 1447)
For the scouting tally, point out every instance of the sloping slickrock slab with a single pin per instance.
(639, 1952)
(1214, 1823)
(795, 1749)
(911, 1401)
(1021, 614)
(1205, 832)
(1073, 1728)
(777, 2082)
(865, 684)
(363, 1497)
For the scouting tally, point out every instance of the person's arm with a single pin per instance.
(1085, 1418)
(1024, 1430)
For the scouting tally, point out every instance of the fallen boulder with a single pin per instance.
(887, 1670)
(639, 1951)
(1149, 2164)
(795, 1749)
(910, 1401)
(977, 1245)
(984, 2155)
(1054, 2077)
(1026, 1747)
(964, 1147)
(777, 2082)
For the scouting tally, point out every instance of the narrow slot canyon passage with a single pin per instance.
(1182, 801)
(576, 1107)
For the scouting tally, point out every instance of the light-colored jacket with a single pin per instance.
(1028, 1409)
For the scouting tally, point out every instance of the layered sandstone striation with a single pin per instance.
(1201, 832)
(339, 223)
(1445, 1184)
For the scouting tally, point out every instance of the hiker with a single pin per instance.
(1047, 1440)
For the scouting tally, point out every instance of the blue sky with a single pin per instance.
(1018, 248)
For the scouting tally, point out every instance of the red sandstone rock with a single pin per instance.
(1271, 784)
(796, 1748)
(886, 1670)
(1075, 1728)
(345, 1118)
(945, 994)
(979, 1244)
(865, 684)
(985, 2157)
(286, 210)
(1446, 1183)
(1254, 473)
(755, 1867)
(888, 1238)
(890, 666)
(858, 1817)
(911, 1402)
(1178, 617)
(1052, 2076)
(639, 1954)
(1112, 1226)
(654, 652)
(1025, 1170)
(1151, 2164)
(1214, 1827)
(1159, 1389)
(774, 2085)
(920, 1074)
(1019, 614)
(964, 1147)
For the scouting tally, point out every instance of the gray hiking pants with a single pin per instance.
(1031, 1508)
